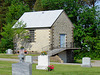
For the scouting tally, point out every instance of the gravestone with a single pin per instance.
(21, 55)
(9, 51)
(43, 62)
(22, 68)
(28, 59)
(86, 62)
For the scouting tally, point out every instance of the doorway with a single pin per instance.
(62, 40)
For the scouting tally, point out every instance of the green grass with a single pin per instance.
(5, 69)
(14, 56)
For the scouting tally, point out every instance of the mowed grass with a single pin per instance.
(14, 56)
(60, 69)
(5, 67)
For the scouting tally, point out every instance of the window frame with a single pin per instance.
(31, 35)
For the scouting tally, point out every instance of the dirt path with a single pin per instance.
(96, 63)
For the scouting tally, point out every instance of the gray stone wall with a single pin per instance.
(62, 26)
(70, 57)
(63, 56)
(66, 56)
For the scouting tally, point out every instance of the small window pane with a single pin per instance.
(31, 39)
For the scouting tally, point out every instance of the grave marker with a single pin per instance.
(29, 59)
(43, 62)
(9, 51)
(86, 62)
(22, 68)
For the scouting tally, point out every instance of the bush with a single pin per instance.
(92, 54)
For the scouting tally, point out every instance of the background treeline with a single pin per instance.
(83, 14)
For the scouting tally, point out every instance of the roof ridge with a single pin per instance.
(45, 11)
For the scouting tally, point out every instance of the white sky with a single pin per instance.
(98, 3)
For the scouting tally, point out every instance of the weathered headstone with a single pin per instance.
(86, 62)
(9, 51)
(43, 62)
(28, 59)
(22, 68)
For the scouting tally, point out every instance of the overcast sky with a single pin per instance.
(98, 3)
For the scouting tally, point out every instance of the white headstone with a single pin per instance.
(86, 62)
(28, 59)
(43, 62)
(9, 51)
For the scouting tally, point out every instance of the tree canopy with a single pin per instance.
(82, 13)
(84, 17)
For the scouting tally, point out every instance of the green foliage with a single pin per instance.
(85, 20)
(30, 3)
(9, 33)
(52, 4)
(38, 5)
(3, 10)
(88, 2)
(15, 11)
(20, 31)
(94, 55)
(6, 41)
(71, 7)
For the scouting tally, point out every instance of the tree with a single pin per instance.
(88, 2)
(6, 41)
(71, 7)
(30, 3)
(15, 11)
(10, 33)
(16, 7)
(20, 32)
(84, 19)
(38, 5)
(3, 10)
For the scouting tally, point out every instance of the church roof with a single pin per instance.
(39, 18)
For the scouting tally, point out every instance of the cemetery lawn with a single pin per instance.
(60, 69)
(14, 56)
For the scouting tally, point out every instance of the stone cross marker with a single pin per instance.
(86, 62)
(21, 56)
